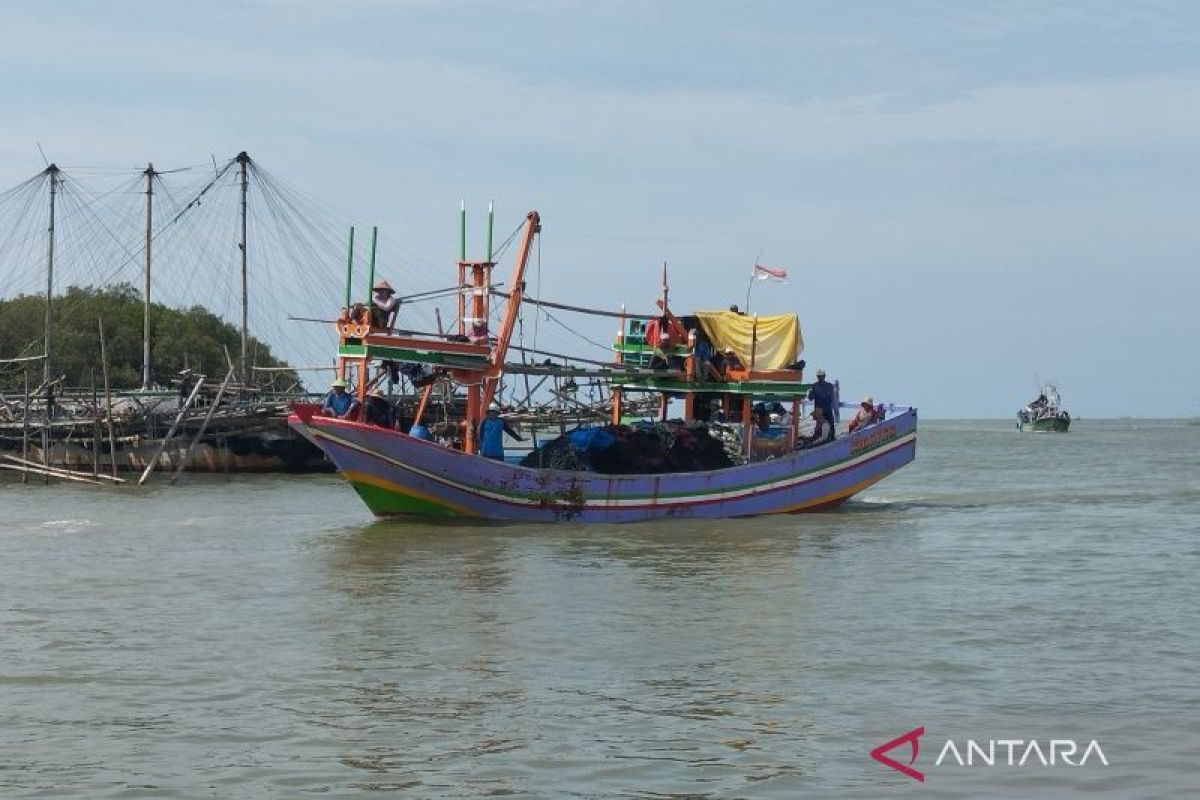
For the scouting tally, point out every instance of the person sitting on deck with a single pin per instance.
(781, 415)
(667, 325)
(420, 374)
(714, 368)
(339, 403)
(660, 356)
(491, 434)
(732, 361)
(822, 430)
(864, 416)
(762, 417)
(384, 306)
(821, 393)
(378, 410)
(479, 332)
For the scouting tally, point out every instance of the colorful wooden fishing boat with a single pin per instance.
(398, 474)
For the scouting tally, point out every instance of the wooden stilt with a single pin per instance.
(25, 428)
(203, 425)
(46, 430)
(108, 415)
(95, 428)
(171, 433)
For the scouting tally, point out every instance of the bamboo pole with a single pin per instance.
(244, 160)
(203, 426)
(25, 428)
(754, 343)
(52, 171)
(36, 466)
(350, 271)
(70, 476)
(491, 214)
(46, 429)
(371, 269)
(95, 428)
(170, 433)
(112, 443)
(149, 173)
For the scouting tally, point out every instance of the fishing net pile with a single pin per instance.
(645, 448)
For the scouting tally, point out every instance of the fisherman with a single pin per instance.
(479, 332)
(821, 393)
(822, 430)
(865, 415)
(660, 356)
(378, 410)
(781, 415)
(491, 434)
(714, 367)
(732, 361)
(384, 306)
(666, 328)
(339, 403)
(420, 374)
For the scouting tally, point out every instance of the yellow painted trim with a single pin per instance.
(829, 498)
(386, 485)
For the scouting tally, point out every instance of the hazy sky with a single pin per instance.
(967, 196)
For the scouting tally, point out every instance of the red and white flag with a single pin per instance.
(769, 273)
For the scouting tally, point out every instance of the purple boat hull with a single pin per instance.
(396, 474)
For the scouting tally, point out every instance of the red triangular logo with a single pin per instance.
(912, 739)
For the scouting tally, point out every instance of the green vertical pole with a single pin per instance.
(462, 231)
(489, 247)
(371, 269)
(350, 268)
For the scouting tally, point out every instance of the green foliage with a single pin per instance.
(193, 337)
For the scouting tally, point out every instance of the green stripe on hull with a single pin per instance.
(1047, 426)
(383, 502)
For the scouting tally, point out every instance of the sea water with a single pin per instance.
(264, 636)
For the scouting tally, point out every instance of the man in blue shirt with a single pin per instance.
(339, 403)
(491, 434)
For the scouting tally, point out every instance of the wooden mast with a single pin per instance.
(244, 160)
(149, 173)
(52, 171)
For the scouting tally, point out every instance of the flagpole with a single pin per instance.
(753, 275)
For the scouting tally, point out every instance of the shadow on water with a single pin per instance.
(482, 555)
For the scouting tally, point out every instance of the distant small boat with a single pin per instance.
(1044, 414)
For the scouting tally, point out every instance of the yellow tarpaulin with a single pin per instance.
(779, 341)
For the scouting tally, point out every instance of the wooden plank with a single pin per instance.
(414, 356)
(429, 345)
(765, 388)
(170, 433)
(33, 464)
